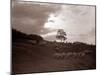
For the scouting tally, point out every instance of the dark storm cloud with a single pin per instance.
(30, 17)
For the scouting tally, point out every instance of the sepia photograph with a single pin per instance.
(52, 37)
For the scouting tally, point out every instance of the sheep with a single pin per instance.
(60, 55)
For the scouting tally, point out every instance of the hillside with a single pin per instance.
(43, 56)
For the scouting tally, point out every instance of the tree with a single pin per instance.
(61, 35)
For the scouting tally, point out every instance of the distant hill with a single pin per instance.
(17, 35)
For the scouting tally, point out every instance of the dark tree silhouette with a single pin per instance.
(61, 35)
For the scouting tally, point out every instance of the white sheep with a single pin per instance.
(59, 55)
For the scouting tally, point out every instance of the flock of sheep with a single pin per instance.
(62, 55)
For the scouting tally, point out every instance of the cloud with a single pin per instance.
(77, 21)
(30, 17)
(72, 18)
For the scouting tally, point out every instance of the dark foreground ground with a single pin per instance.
(32, 58)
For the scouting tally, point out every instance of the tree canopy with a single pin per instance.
(61, 35)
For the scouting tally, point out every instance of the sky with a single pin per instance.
(78, 21)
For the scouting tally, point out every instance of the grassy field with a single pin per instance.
(28, 57)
